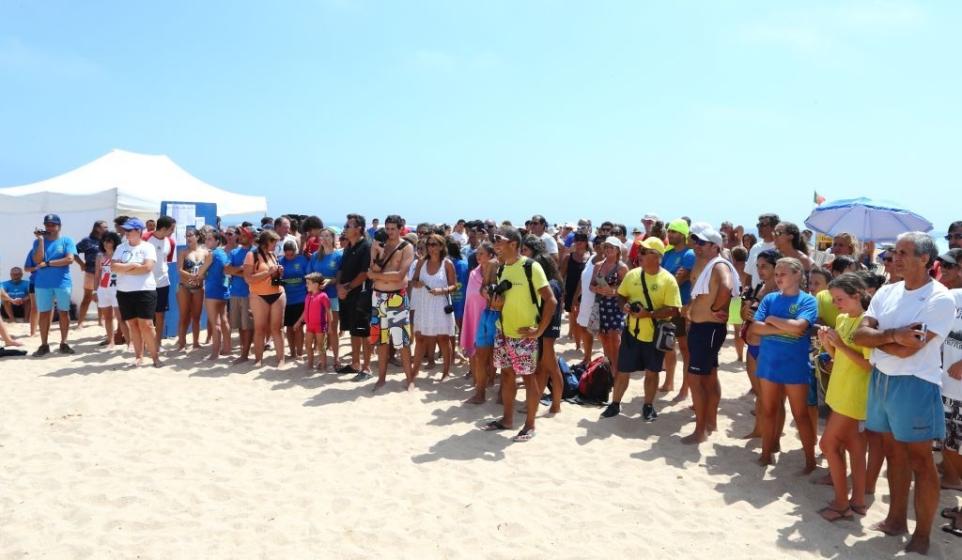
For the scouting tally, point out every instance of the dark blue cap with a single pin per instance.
(51, 219)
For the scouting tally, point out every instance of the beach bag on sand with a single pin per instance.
(595, 385)
(570, 378)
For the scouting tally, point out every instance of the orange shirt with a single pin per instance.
(261, 287)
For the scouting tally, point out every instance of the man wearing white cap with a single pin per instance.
(649, 222)
(716, 283)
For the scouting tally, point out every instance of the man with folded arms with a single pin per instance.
(905, 325)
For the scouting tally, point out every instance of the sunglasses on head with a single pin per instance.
(499, 238)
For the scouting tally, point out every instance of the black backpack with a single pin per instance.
(597, 381)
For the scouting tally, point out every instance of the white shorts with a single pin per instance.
(106, 297)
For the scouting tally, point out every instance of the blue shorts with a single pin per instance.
(47, 296)
(487, 328)
(907, 407)
(705, 341)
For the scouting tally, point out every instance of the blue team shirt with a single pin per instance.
(327, 267)
(294, 272)
(16, 290)
(238, 286)
(783, 355)
(674, 260)
(216, 284)
(50, 277)
(28, 263)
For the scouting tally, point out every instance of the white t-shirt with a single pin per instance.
(550, 245)
(163, 250)
(461, 238)
(952, 350)
(279, 248)
(750, 266)
(138, 254)
(895, 307)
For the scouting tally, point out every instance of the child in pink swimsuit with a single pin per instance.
(316, 317)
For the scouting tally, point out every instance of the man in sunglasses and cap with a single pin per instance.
(716, 283)
(53, 254)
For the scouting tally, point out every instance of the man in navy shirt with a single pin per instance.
(90, 247)
(53, 253)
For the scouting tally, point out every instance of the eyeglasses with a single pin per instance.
(952, 236)
(423, 233)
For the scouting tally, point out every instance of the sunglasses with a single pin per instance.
(349, 226)
(699, 241)
(433, 244)
(887, 259)
(952, 236)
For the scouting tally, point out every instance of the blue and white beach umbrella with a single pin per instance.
(867, 219)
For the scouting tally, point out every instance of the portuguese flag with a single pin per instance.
(818, 199)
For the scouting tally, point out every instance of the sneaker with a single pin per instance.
(613, 410)
(362, 376)
(648, 413)
(42, 350)
(64, 349)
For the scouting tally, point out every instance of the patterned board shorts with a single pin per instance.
(390, 321)
(953, 424)
(519, 354)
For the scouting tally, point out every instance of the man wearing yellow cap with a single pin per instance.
(679, 260)
(650, 294)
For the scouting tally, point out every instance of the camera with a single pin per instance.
(635, 307)
(499, 289)
(40, 231)
(276, 281)
(448, 309)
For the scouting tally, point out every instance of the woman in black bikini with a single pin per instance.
(190, 292)
(263, 274)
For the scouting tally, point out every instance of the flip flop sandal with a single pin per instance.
(524, 435)
(494, 426)
(858, 510)
(843, 514)
(952, 530)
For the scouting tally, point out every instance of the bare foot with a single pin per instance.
(555, 409)
(751, 435)
(240, 360)
(380, 383)
(666, 388)
(13, 342)
(258, 363)
(410, 387)
(890, 528)
(476, 399)
(138, 362)
(765, 460)
(951, 486)
(682, 395)
(158, 364)
(824, 480)
(212, 357)
(809, 469)
(694, 438)
(919, 545)
(280, 362)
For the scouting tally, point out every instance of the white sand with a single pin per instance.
(198, 461)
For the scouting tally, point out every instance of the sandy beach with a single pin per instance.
(213, 461)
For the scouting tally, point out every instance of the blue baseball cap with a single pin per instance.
(51, 219)
(132, 224)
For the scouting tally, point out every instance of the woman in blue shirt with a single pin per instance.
(216, 294)
(295, 268)
(326, 262)
(783, 321)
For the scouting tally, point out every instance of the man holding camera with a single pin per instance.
(53, 254)
(527, 305)
(390, 261)
(905, 325)
(652, 296)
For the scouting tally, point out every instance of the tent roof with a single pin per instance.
(142, 181)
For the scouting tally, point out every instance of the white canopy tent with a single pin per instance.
(118, 183)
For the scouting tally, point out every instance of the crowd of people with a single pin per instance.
(872, 334)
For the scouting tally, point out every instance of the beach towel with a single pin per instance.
(703, 283)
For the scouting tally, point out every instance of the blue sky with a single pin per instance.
(439, 110)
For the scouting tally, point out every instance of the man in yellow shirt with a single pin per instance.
(637, 351)
(527, 305)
